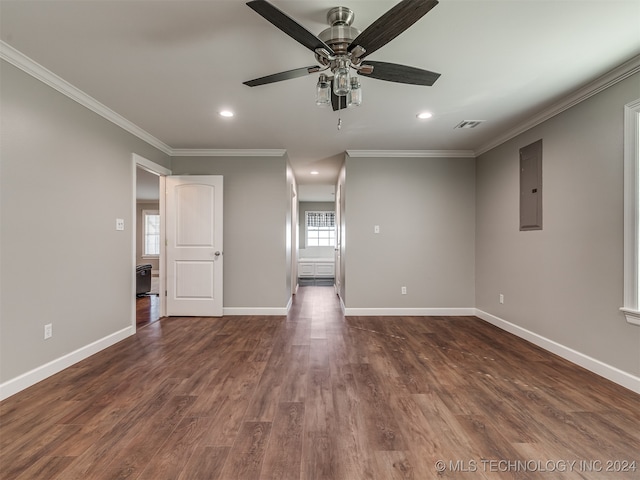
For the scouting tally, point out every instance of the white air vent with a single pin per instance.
(469, 124)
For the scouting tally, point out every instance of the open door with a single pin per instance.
(194, 245)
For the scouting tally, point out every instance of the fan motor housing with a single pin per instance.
(340, 34)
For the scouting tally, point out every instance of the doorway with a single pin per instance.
(148, 255)
(147, 247)
(317, 235)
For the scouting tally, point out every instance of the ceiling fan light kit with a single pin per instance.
(342, 48)
(323, 91)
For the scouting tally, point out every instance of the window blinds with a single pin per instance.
(321, 219)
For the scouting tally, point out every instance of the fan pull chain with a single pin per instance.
(339, 123)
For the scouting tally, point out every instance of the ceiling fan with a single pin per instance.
(342, 47)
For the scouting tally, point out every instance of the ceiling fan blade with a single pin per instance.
(392, 24)
(392, 72)
(337, 102)
(278, 77)
(288, 25)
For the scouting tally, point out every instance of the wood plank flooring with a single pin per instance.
(315, 395)
(147, 310)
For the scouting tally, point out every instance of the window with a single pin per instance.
(631, 306)
(151, 233)
(320, 229)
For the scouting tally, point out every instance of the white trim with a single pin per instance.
(150, 166)
(134, 244)
(266, 311)
(631, 303)
(421, 312)
(37, 71)
(596, 366)
(216, 152)
(162, 172)
(21, 382)
(412, 153)
(27, 65)
(611, 78)
(632, 316)
(290, 304)
(162, 264)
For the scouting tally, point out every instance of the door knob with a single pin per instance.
(217, 254)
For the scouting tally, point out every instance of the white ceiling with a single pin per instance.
(170, 66)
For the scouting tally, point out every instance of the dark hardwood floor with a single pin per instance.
(147, 310)
(315, 395)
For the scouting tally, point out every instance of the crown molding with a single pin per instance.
(412, 153)
(616, 75)
(195, 152)
(29, 66)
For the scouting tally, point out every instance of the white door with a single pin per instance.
(194, 245)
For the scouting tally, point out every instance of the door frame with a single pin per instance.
(294, 241)
(162, 172)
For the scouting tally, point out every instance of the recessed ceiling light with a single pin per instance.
(226, 113)
(424, 115)
(314, 172)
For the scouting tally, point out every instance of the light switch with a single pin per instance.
(376, 229)
(119, 223)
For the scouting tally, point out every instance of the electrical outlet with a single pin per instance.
(403, 290)
(48, 331)
(119, 223)
(501, 299)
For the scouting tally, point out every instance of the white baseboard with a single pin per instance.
(596, 366)
(235, 311)
(421, 312)
(19, 383)
(289, 304)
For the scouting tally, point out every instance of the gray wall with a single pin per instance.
(565, 282)
(66, 176)
(425, 210)
(449, 229)
(257, 216)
